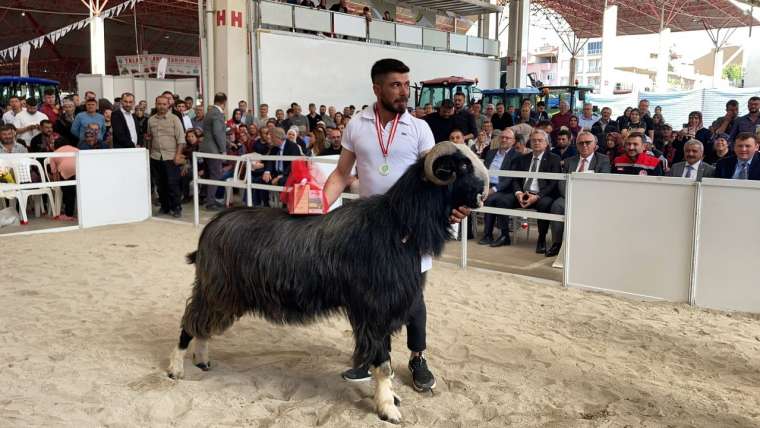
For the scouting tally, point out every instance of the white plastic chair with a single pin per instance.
(22, 173)
(235, 179)
(57, 191)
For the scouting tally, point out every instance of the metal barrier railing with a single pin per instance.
(248, 186)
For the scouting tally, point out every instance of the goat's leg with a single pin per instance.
(177, 359)
(385, 400)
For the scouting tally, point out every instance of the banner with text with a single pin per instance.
(148, 64)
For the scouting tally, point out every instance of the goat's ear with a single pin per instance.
(445, 167)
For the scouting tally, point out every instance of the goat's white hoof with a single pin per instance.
(176, 368)
(389, 413)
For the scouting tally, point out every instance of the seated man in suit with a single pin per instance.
(276, 172)
(745, 164)
(531, 192)
(499, 159)
(693, 167)
(587, 160)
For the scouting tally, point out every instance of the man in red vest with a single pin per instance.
(635, 161)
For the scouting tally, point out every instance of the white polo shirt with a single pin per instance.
(413, 138)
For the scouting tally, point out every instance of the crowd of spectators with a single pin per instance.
(527, 138)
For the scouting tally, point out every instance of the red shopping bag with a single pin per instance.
(303, 193)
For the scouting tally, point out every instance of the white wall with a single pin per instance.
(306, 69)
(752, 67)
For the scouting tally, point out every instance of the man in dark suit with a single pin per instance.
(693, 167)
(499, 159)
(604, 126)
(214, 141)
(531, 193)
(587, 160)
(276, 172)
(126, 133)
(745, 164)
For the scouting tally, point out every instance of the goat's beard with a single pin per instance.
(392, 108)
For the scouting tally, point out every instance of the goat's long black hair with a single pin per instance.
(362, 259)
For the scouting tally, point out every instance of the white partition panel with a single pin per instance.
(123, 84)
(631, 235)
(279, 14)
(474, 45)
(408, 34)
(491, 47)
(382, 30)
(457, 42)
(114, 186)
(312, 19)
(139, 84)
(728, 246)
(434, 38)
(348, 25)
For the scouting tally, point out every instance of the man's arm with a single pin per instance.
(218, 134)
(341, 177)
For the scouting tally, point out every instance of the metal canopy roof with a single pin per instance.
(645, 16)
(459, 7)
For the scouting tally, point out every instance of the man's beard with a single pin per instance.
(390, 107)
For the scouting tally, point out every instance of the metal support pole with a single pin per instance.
(463, 237)
(196, 198)
(248, 190)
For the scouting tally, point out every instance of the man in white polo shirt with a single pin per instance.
(383, 140)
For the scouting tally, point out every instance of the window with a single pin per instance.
(565, 66)
(594, 65)
(550, 76)
(594, 48)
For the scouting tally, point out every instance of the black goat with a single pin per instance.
(362, 259)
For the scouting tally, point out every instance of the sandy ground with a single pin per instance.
(90, 317)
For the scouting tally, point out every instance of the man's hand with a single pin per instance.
(276, 180)
(457, 214)
(267, 177)
(532, 199)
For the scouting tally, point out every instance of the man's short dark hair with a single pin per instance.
(290, 111)
(220, 97)
(90, 100)
(566, 133)
(312, 105)
(755, 98)
(541, 104)
(458, 94)
(293, 105)
(543, 124)
(639, 135)
(322, 105)
(385, 66)
(499, 104)
(14, 96)
(264, 105)
(456, 130)
(665, 127)
(44, 122)
(117, 100)
(167, 93)
(732, 103)
(31, 101)
(7, 127)
(49, 92)
(186, 98)
(127, 94)
(745, 136)
(447, 104)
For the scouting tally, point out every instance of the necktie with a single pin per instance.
(583, 165)
(278, 164)
(529, 182)
(689, 170)
(743, 171)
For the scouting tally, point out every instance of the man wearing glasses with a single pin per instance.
(586, 161)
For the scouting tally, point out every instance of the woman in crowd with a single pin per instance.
(634, 121)
(720, 149)
(696, 129)
(481, 146)
(574, 128)
(613, 146)
(318, 144)
(338, 119)
(141, 121)
(624, 119)
(62, 125)
(244, 140)
(253, 132)
(658, 122)
(292, 136)
(237, 117)
(192, 143)
(108, 136)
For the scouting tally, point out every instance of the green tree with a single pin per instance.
(733, 72)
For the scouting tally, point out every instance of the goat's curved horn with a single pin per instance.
(441, 149)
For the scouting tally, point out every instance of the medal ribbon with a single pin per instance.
(385, 147)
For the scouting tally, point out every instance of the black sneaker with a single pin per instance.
(359, 374)
(422, 379)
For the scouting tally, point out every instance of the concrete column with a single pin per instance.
(97, 46)
(517, 47)
(663, 61)
(231, 59)
(484, 26)
(717, 80)
(609, 38)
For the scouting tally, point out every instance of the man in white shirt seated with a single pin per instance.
(693, 168)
